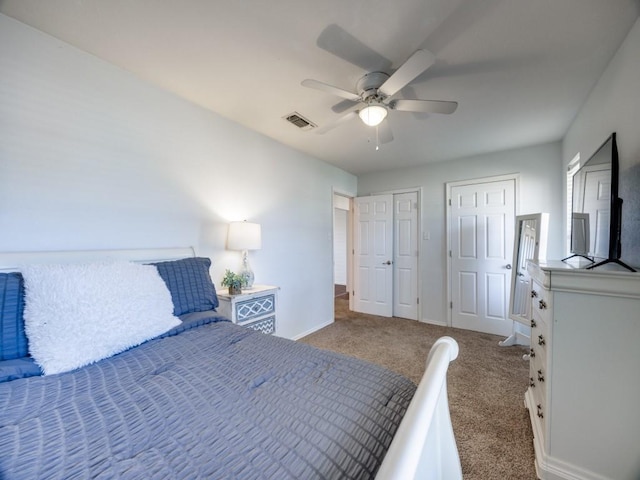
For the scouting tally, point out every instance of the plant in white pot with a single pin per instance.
(235, 282)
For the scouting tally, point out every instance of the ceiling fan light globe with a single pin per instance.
(373, 115)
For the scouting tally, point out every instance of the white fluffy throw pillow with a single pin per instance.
(78, 314)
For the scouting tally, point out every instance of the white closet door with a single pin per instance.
(373, 250)
(405, 256)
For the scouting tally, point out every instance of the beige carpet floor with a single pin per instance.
(486, 385)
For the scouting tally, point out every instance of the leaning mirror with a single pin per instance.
(530, 244)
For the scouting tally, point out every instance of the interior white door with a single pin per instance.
(482, 217)
(373, 254)
(405, 255)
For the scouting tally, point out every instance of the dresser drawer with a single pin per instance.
(538, 376)
(541, 302)
(266, 325)
(246, 310)
(541, 412)
(540, 337)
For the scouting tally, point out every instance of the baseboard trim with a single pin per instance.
(312, 330)
(434, 322)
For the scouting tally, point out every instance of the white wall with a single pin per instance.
(614, 106)
(91, 157)
(539, 168)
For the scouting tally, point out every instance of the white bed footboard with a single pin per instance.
(424, 446)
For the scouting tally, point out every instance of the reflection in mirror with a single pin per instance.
(530, 244)
(591, 203)
(580, 235)
(526, 250)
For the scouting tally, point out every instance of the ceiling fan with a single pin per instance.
(375, 90)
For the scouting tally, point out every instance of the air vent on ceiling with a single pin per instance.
(299, 121)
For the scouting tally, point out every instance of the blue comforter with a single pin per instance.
(208, 399)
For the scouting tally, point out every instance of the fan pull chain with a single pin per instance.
(377, 139)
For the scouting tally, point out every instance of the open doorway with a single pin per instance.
(400, 285)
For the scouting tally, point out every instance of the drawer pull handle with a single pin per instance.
(533, 324)
(534, 294)
(541, 340)
(540, 376)
(532, 353)
(540, 411)
(542, 304)
(532, 382)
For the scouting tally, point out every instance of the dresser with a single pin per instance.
(254, 308)
(584, 386)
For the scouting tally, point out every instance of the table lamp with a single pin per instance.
(245, 236)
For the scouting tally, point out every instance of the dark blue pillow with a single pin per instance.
(13, 340)
(18, 368)
(190, 284)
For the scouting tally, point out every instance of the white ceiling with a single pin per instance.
(520, 69)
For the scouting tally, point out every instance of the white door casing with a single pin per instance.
(373, 254)
(340, 228)
(481, 233)
(405, 256)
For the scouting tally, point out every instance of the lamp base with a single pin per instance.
(246, 271)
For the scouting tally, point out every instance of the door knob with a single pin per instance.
(508, 267)
(388, 262)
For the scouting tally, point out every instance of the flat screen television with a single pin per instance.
(596, 216)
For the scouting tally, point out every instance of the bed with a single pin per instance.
(188, 394)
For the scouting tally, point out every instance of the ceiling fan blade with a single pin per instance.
(424, 106)
(343, 119)
(385, 135)
(324, 87)
(414, 66)
(342, 106)
(335, 40)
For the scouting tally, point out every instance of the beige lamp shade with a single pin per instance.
(244, 236)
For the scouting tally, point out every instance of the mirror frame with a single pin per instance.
(540, 253)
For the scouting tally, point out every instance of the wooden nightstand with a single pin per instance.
(254, 308)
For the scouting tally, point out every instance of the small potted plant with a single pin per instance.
(235, 282)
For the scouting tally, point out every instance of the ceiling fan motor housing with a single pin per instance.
(368, 86)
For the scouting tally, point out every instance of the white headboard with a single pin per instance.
(11, 261)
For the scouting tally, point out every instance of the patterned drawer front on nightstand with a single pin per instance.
(248, 309)
(266, 325)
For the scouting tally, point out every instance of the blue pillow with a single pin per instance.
(13, 340)
(190, 284)
(18, 368)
